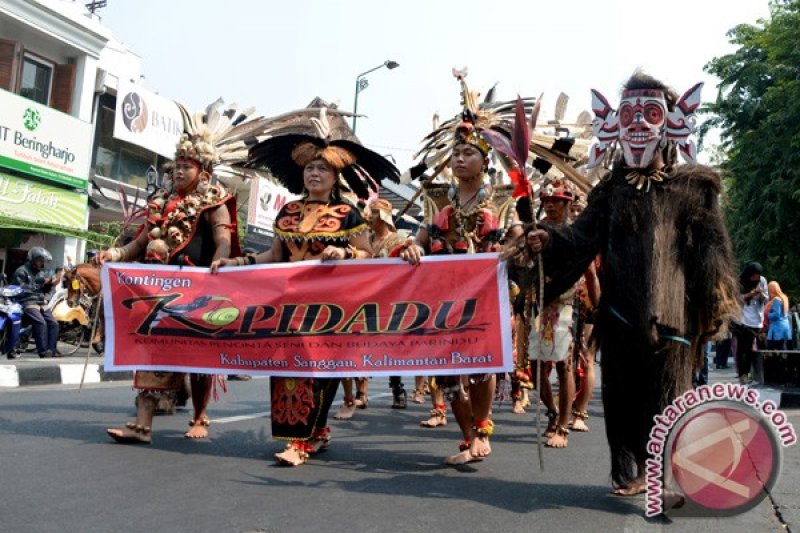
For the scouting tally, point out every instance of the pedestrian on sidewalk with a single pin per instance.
(779, 334)
(753, 289)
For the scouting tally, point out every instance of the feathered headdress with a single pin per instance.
(491, 124)
(284, 156)
(219, 136)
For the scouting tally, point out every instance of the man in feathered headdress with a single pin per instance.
(466, 216)
(666, 281)
(193, 223)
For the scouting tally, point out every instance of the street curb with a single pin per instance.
(12, 376)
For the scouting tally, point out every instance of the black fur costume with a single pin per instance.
(667, 271)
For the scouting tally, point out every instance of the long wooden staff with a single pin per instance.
(91, 337)
(518, 150)
(522, 130)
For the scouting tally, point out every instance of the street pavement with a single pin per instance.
(59, 472)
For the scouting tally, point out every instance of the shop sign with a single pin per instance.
(266, 199)
(148, 120)
(43, 142)
(37, 202)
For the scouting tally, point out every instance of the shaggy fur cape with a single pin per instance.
(667, 270)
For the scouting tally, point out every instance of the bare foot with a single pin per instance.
(419, 396)
(320, 441)
(480, 448)
(437, 418)
(558, 439)
(198, 429)
(578, 424)
(131, 434)
(526, 401)
(346, 411)
(636, 486)
(517, 409)
(361, 402)
(292, 456)
(552, 424)
(461, 458)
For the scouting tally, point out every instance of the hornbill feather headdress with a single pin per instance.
(286, 155)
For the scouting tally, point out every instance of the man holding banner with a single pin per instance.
(312, 313)
(465, 217)
(192, 225)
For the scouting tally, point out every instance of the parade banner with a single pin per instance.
(377, 317)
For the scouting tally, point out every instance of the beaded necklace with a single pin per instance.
(466, 228)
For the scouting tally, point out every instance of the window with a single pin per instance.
(36, 80)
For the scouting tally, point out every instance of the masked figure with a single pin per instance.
(665, 257)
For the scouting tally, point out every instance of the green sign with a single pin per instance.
(35, 202)
(43, 142)
(31, 119)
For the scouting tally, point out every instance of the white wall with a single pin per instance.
(119, 63)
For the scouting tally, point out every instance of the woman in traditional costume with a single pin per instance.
(321, 225)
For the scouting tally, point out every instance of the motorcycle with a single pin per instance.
(11, 328)
(73, 321)
(73, 318)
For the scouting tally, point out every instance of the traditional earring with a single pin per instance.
(481, 193)
(451, 192)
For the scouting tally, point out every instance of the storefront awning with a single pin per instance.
(96, 239)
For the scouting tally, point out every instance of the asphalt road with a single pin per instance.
(59, 472)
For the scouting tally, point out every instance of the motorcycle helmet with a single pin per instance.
(36, 252)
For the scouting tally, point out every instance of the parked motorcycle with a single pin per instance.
(11, 313)
(73, 321)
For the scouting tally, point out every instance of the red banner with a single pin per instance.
(379, 317)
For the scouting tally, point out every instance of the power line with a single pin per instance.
(381, 147)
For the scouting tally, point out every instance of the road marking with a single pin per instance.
(240, 418)
(9, 376)
(71, 374)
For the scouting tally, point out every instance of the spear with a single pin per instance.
(517, 150)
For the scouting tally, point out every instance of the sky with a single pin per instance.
(279, 55)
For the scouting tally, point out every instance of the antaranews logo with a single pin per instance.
(715, 451)
(31, 119)
(134, 112)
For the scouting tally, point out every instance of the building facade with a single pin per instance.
(67, 153)
(49, 52)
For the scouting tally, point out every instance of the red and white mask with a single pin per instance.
(642, 116)
(641, 123)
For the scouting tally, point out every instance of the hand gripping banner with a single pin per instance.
(377, 317)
